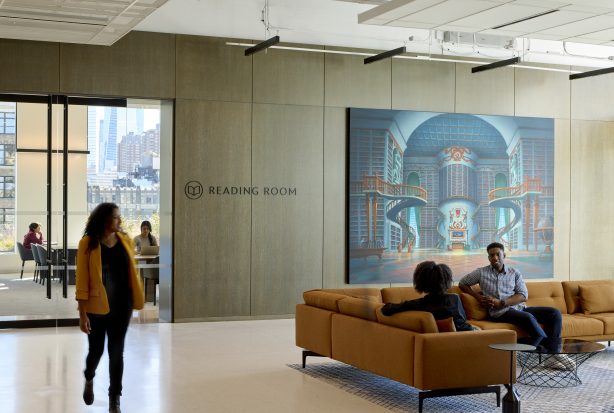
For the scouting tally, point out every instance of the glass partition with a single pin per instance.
(113, 154)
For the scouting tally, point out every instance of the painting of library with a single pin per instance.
(441, 187)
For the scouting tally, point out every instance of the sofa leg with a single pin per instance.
(309, 353)
(458, 392)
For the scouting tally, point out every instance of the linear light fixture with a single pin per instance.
(524, 19)
(420, 57)
(262, 45)
(385, 55)
(494, 65)
(591, 73)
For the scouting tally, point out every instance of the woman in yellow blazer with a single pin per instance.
(108, 289)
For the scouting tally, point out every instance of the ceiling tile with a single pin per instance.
(410, 25)
(601, 36)
(506, 13)
(396, 9)
(585, 8)
(449, 11)
(579, 28)
(547, 21)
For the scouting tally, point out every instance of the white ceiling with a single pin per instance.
(72, 21)
(416, 24)
(587, 26)
(583, 21)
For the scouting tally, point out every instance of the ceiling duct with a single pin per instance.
(479, 39)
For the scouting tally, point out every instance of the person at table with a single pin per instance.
(145, 238)
(34, 236)
(435, 280)
(108, 288)
(503, 293)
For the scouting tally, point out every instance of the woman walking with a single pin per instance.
(108, 289)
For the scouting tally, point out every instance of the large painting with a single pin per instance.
(441, 187)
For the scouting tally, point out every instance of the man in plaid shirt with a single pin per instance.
(503, 293)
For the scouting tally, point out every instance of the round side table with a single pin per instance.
(511, 401)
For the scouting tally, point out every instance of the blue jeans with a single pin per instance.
(530, 318)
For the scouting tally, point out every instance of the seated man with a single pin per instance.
(434, 280)
(503, 293)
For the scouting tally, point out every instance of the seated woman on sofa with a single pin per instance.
(434, 280)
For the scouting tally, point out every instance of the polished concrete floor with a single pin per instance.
(238, 366)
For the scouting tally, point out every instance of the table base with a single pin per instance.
(536, 369)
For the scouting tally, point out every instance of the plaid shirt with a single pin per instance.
(499, 285)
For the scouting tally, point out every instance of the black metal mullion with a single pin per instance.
(49, 144)
(65, 203)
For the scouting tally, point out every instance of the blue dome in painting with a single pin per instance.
(452, 129)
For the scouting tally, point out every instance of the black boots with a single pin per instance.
(88, 392)
(114, 404)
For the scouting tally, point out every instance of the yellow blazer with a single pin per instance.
(89, 286)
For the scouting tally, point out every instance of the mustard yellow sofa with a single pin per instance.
(347, 325)
(411, 347)
(587, 308)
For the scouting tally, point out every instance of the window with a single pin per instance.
(123, 163)
(7, 123)
(7, 187)
(7, 154)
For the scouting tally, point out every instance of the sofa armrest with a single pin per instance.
(461, 359)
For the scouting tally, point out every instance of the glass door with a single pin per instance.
(61, 156)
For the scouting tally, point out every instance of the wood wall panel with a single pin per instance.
(592, 161)
(212, 234)
(541, 94)
(209, 69)
(487, 93)
(423, 86)
(140, 64)
(591, 97)
(29, 66)
(334, 197)
(287, 230)
(289, 77)
(562, 210)
(349, 82)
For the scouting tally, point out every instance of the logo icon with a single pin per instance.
(193, 190)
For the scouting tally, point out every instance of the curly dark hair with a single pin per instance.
(97, 222)
(33, 226)
(495, 245)
(432, 278)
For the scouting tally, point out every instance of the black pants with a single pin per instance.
(114, 326)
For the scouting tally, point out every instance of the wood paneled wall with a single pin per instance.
(278, 119)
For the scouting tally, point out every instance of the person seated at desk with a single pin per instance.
(34, 236)
(145, 238)
(434, 280)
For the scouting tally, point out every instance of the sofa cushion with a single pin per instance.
(371, 294)
(359, 307)
(571, 292)
(493, 325)
(607, 319)
(596, 298)
(417, 321)
(399, 294)
(546, 294)
(323, 299)
(473, 309)
(446, 325)
(578, 325)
